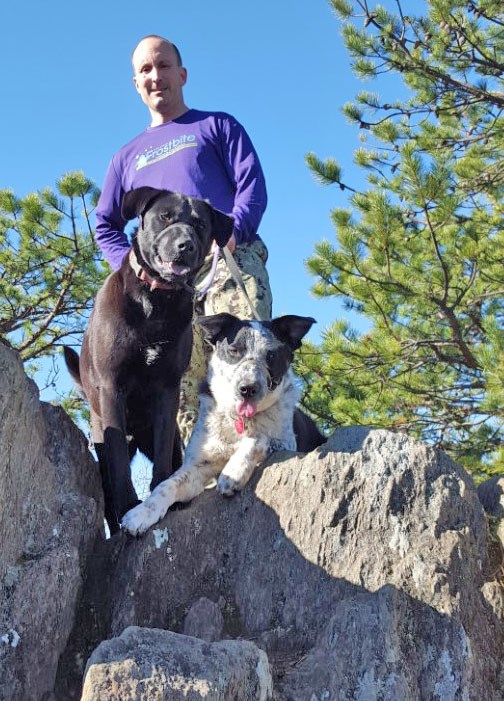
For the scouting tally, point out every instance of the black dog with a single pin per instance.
(138, 342)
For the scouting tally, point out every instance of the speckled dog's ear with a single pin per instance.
(136, 201)
(218, 326)
(291, 328)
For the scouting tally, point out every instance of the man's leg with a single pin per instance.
(226, 296)
(223, 296)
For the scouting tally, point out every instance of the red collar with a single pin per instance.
(154, 283)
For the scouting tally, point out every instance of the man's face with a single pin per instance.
(159, 79)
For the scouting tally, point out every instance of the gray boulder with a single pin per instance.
(50, 514)
(161, 666)
(365, 559)
(204, 620)
(384, 645)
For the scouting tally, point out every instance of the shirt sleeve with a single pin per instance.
(110, 235)
(246, 173)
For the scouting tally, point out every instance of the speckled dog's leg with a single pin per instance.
(240, 467)
(189, 481)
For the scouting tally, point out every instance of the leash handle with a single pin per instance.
(237, 276)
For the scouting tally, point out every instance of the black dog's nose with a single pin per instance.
(249, 391)
(185, 245)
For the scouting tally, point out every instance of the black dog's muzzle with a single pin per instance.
(186, 244)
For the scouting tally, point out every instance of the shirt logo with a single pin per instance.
(153, 155)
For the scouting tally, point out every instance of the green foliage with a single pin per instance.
(49, 267)
(419, 253)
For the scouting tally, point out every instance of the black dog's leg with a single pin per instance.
(110, 515)
(101, 454)
(167, 445)
(178, 450)
(117, 458)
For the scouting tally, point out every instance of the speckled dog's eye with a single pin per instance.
(233, 352)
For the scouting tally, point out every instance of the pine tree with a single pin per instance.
(420, 251)
(49, 267)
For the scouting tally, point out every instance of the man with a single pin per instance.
(201, 154)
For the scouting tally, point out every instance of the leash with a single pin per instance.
(237, 277)
(235, 274)
(207, 282)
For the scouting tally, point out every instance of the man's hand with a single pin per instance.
(231, 244)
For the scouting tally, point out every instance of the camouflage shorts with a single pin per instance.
(223, 296)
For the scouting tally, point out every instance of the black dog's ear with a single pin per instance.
(222, 227)
(217, 326)
(291, 328)
(135, 201)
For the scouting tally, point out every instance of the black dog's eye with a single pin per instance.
(270, 356)
(199, 225)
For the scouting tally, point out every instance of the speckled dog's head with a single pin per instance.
(175, 232)
(251, 359)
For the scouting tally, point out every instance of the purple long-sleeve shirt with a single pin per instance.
(201, 154)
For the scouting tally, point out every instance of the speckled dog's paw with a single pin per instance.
(227, 485)
(139, 519)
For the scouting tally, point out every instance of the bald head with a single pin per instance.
(161, 40)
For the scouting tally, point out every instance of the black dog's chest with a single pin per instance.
(156, 337)
(156, 358)
(143, 380)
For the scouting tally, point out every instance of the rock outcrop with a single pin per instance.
(359, 571)
(50, 514)
(147, 663)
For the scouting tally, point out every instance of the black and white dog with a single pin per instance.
(247, 410)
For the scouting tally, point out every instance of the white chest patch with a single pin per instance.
(147, 306)
(151, 354)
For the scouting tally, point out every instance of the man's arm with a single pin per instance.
(244, 169)
(109, 234)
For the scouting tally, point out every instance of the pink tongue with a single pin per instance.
(246, 409)
(177, 269)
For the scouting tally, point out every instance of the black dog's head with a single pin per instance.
(175, 231)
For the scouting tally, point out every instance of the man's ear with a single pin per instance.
(182, 75)
(216, 326)
(222, 227)
(291, 328)
(135, 201)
